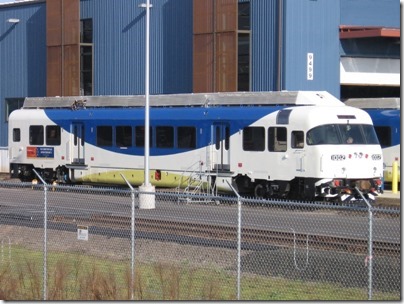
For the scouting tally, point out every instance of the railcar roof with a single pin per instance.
(191, 100)
(374, 103)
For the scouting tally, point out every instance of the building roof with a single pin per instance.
(17, 2)
(354, 31)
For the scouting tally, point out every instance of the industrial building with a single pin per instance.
(350, 48)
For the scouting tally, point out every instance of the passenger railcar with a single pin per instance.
(302, 145)
(385, 114)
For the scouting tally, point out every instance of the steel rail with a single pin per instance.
(253, 236)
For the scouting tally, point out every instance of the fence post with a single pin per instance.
(394, 181)
(45, 235)
(369, 257)
(238, 240)
(132, 265)
(9, 250)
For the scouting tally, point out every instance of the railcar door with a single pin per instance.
(77, 143)
(221, 146)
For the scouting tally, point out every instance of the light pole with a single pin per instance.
(147, 201)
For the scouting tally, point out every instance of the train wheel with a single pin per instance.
(259, 191)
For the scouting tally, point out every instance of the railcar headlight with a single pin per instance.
(376, 157)
(337, 157)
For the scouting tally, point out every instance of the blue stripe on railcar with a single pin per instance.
(202, 118)
(387, 118)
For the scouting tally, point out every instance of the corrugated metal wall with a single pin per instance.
(371, 12)
(119, 46)
(308, 26)
(22, 56)
(264, 45)
(311, 27)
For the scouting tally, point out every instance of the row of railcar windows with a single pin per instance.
(183, 137)
(166, 136)
(254, 139)
(120, 136)
(36, 135)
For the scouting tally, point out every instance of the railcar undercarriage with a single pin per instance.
(25, 172)
(309, 189)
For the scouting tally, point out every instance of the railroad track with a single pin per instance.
(251, 237)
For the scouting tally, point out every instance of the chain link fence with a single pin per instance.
(85, 243)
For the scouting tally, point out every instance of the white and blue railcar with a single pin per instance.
(385, 114)
(303, 145)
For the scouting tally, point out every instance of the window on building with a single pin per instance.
(104, 136)
(186, 137)
(53, 135)
(357, 91)
(277, 139)
(254, 139)
(243, 74)
(13, 104)
(86, 57)
(36, 135)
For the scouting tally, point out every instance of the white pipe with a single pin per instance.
(147, 94)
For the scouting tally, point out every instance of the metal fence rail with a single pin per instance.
(85, 243)
(4, 162)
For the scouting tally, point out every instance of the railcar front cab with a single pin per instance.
(36, 149)
(353, 140)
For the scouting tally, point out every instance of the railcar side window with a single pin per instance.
(371, 135)
(342, 134)
(227, 138)
(123, 135)
(351, 134)
(222, 133)
(139, 136)
(164, 137)
(323, 135)
(186, 137)
(78, 132)
(218, 138)
(36, 135)
(384, 136)
(254, 139)
(297, 139)
(16, 135)
(277, 139)
(104, 136)
(53, 135)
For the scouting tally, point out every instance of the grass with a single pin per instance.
(73, 276)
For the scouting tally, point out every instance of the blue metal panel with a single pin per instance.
(371, 13)
(311, 26)
(264, 45)
(237, 117)
(22, 55)
(119, 46)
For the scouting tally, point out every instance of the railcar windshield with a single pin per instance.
(342, 134)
